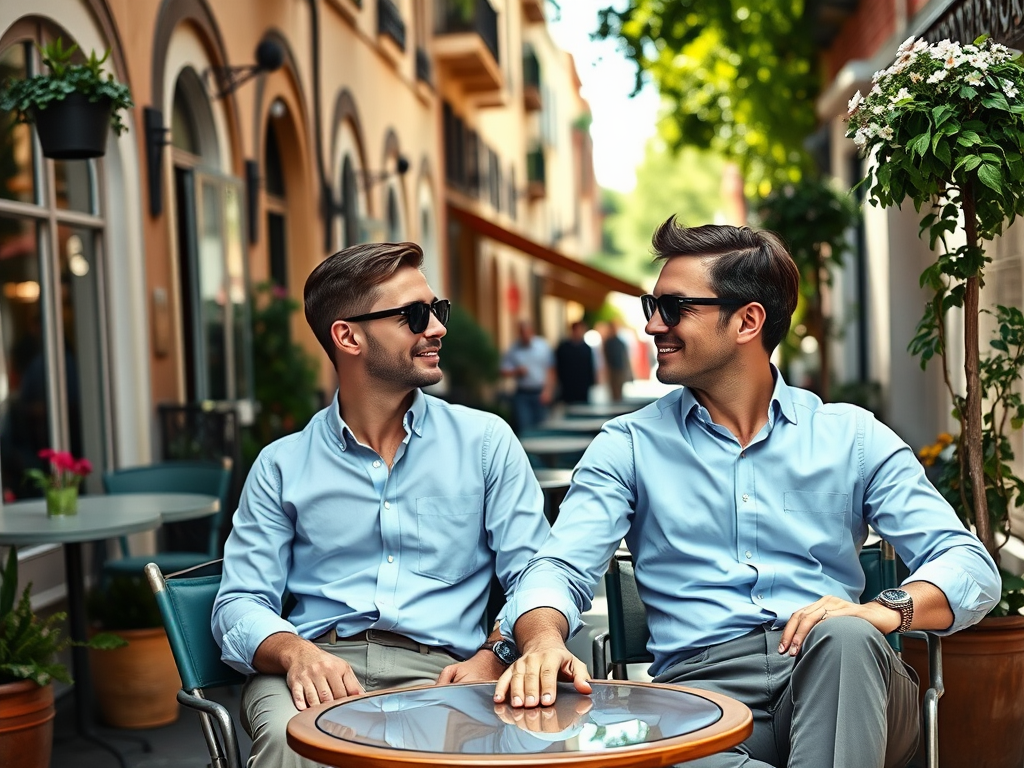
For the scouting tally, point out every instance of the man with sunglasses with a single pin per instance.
(386, 519)
(745, 503)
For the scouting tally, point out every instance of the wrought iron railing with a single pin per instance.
(469, 16)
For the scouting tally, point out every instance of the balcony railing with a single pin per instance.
(531, 80)
(477, 16)
(389, 22)
(423, 65)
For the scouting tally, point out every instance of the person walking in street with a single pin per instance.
(388, 552)
(616, 358)
(531, 363)
(574, 366)
(745, 502)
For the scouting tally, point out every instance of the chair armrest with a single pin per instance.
(930, 706)
(601, 656)
(230, 756)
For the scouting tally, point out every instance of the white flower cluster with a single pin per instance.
(945, 61)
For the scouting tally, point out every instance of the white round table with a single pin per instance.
(99, 517)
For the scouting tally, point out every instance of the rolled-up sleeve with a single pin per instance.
(907, 511)
(592, 521)
(257, 558)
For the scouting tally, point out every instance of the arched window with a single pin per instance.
(349, 203)
(394, 220)
(273, 185)
(53, 356)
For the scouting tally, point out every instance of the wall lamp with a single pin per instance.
(402, 166)
(269, 57)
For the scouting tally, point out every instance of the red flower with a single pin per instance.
(46, 453)
(63, 461)
(9, 496)
(82, 467)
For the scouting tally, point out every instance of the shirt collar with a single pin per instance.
(413, 420)
(781, 402)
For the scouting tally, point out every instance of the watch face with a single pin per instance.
(894, 595)
(505, 651)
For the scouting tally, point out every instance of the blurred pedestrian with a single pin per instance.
(531, 363)
(616, 358)
(574, 366)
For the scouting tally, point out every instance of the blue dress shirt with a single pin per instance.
(411, 551)
(726, 539)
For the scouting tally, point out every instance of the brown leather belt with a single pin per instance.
(375, 636)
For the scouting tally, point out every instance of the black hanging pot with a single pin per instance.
(73, 128)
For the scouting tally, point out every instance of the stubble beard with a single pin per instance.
(399, 370)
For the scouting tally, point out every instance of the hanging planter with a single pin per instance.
(72, 105)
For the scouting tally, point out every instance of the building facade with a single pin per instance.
(129, 281)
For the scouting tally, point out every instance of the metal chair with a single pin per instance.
(625, 642)
(186, 600)
(208, 477)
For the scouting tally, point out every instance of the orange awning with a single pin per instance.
(565, 277)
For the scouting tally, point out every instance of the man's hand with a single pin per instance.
(313, 676)
(533, 678)
(481, 666)
(885, 620)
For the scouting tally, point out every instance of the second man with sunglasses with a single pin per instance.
(385, 519)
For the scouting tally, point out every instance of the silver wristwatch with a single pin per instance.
(901, 601)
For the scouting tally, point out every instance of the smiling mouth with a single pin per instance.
(431, 353)
(667, 348)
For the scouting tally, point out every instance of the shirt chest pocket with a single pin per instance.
(450, 533)
(817, 520)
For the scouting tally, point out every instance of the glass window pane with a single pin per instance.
(16, 146)
(183, 129)
(73, 180)
(238, 291)
(212, 298)
(24, 410)
(83, 358)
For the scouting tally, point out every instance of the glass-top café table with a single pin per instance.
(620, 724)
(99, 517)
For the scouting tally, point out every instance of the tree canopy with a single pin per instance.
(737, 77)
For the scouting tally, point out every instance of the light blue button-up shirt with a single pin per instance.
(726, 539)
(411, 551)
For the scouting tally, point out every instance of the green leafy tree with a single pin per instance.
(945, 127)
(737, 76)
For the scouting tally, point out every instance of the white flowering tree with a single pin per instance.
(944, 126)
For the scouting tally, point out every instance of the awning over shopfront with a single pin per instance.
(564, 277)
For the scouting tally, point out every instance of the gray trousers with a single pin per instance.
(847, 700)
(267, 704)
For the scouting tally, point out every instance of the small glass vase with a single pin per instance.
(61, 502)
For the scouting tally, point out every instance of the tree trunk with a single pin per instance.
(972, 438)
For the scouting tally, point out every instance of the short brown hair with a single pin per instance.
(346, 284)
(746, 264)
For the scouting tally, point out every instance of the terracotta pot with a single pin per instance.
(137, 685)
(26, 724)
(981, 715)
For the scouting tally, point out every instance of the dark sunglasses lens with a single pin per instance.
(419, 317)
(442, 308)
(647, 302)
(669, 308)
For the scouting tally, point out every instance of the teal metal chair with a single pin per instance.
(212, 478)
(625, 642)
(186, 600)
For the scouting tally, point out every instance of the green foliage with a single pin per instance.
(28, 645)
(285, 374)
(946, 129)
(124, 602)
(687, 183)
(34, 94)
(469, 358)
(737, 75)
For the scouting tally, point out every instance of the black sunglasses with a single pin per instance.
(668, 305)
(418, 314)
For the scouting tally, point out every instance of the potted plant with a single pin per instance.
(28, 667)
(945, 128)
(71, 105)
(137, 684)
(60, 485)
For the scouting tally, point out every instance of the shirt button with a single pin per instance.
(748, 555)
(387, 505)
(745, 497)
(376, 464)
(391, 559)
(759, 597)
(743, 454)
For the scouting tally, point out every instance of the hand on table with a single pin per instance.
(885, 620)
(533, 678)
(482, 666)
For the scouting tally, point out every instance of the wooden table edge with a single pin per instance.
(735, 725)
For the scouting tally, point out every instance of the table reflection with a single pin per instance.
(464, 720)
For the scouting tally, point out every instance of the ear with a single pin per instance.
(346, 338)
(749, 323)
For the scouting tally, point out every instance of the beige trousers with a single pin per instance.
(267, 703)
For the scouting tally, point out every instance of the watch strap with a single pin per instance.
(905, 607)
